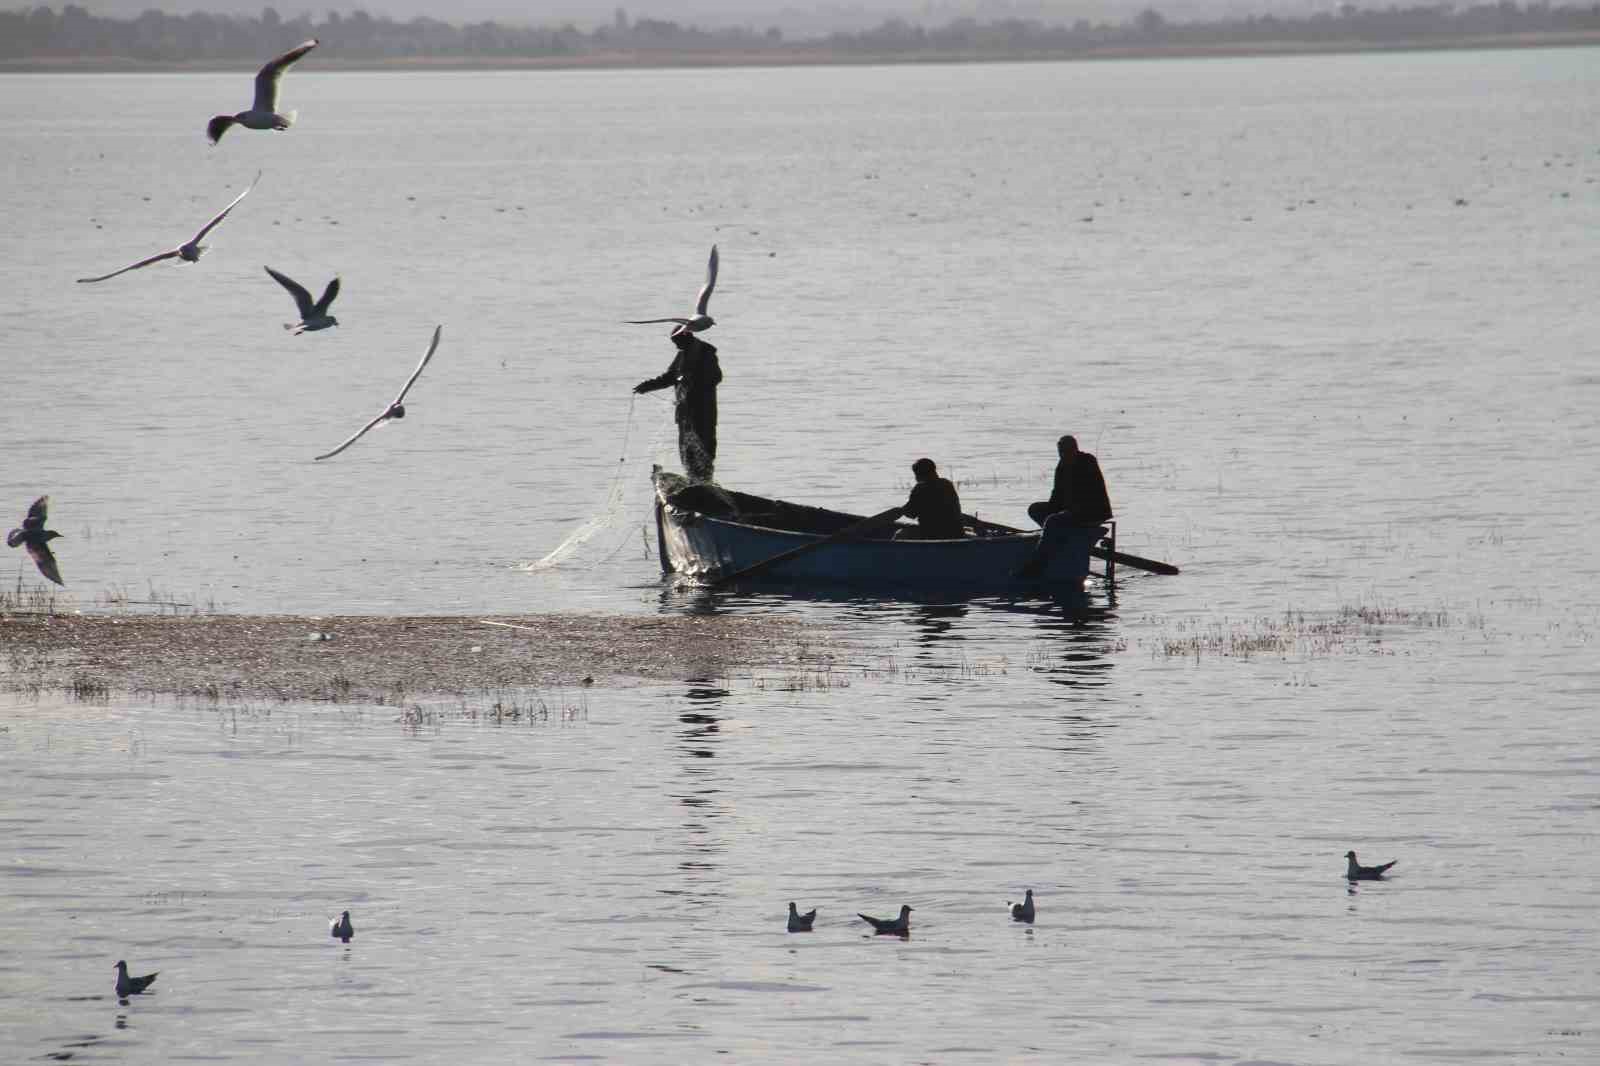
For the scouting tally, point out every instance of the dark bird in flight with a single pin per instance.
(263, 113)
(900, 926)
(190, 252)
(699, 320)
(1023, 912)
(131, 986)
(37, 539)
(397, 408)
(313, 316)
(1357, 872)
(340, 927)
(800, 923)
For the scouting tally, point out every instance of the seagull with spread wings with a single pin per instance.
(397, 408)
(313, 316)
(37, 539)
(263, 113)
(190, 252)
(699, 320)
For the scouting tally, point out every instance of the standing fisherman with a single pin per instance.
(696, 373)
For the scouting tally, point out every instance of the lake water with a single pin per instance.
(1328, 323)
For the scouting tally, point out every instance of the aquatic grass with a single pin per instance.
(803, 681)
(165, 602)
(338, 689)
(1348, 630)
(515, 706)
(27, 598)
(26, 672)
(88, 688)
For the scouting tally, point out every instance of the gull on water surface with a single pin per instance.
(36, 538)
(699, 320)
(340, 927)
(800, 923)
(1023, 912)
(1357, 872)
(190, 252)
(397, 408)
(132, 986)
(900, 926)
(263, 113)
(313, 316)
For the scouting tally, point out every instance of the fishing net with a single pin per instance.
(623, 496)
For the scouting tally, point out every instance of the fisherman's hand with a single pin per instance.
(643, 386)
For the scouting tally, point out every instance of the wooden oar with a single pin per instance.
(853, 530)
(1154, 566)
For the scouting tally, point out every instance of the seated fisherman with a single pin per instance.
(1079, 492)
(933, 503)
(1078, 498)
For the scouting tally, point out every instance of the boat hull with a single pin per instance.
(705, 546)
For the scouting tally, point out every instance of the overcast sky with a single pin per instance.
(794, 17)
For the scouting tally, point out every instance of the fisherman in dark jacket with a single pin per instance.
(934, 503)
(1079, 492)
(1078, 498)
(696, 373)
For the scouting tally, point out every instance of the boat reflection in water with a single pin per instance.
(1066, 636)
(702, 793)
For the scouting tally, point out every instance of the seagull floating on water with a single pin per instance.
(900, 926)
(37, 539)
(1023, 912)
(190, 252)
(800, 923)
(699, 320)
(1357, 872)
(340, 927)
(131, 986)
(313, 316)
(397, 408)
(263, 113)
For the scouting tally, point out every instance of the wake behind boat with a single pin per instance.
(713, 534)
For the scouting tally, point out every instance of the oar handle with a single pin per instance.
(1153, 566)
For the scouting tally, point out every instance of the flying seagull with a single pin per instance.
(189, 253)
(800, 923)
(131, 986)
(1023, 912)
(341, 927)
(699, 320)
(397, 408)
(1357, 872)
(263, 113)
(900, 926)
(313, 316)
(37, 538)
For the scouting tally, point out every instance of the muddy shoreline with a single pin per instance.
(388, 660)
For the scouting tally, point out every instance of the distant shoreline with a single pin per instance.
(799, 56)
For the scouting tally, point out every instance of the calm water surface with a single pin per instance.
(1328, 324)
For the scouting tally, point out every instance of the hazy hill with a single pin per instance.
(794, 19)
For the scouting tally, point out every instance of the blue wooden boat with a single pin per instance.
(708, 533)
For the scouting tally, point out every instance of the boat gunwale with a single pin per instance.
(999, 538)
